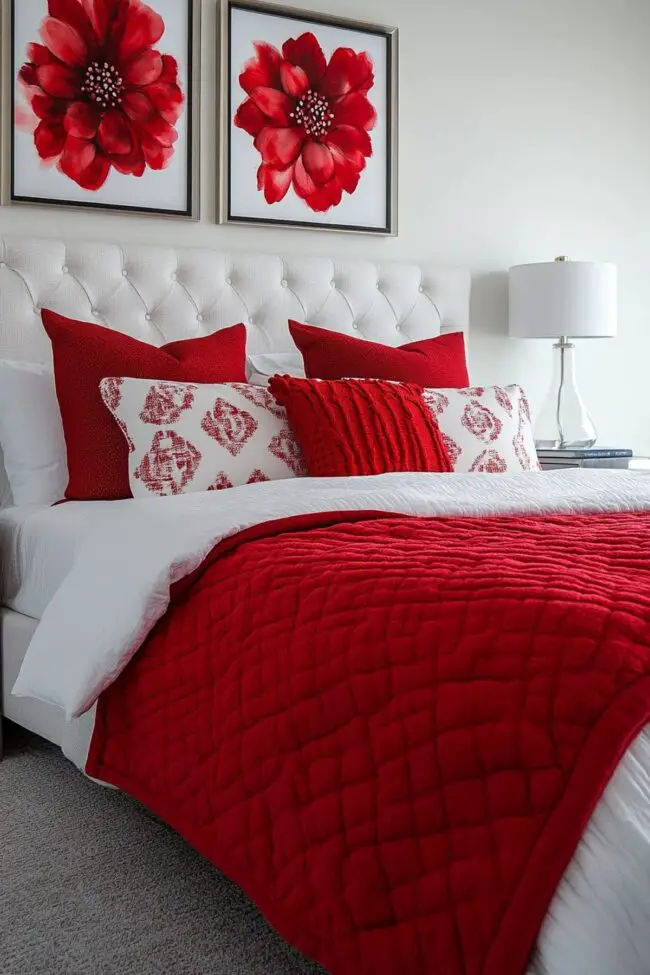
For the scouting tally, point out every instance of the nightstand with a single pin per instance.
(602, 463)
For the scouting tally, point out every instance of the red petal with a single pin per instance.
(346, 72)
(137, 106)
(38, 54)
(143, 69)
(28, 76)
(82, 163)
(131, 164)
(349, 140)
(275, 104)
(170, 70)
(114, 134)
(249, 118)
(72, 13)
(143, 28)
(45, 107)
(167, 98)
(318, 162)
(305, 51)
(349, 159)
(156, 155)
(279, 147)
(354, 109)
(274, 182)
(59, 80)
(318, 198)
(49, 138)
(262, 71)
(64, 42)
(94, 176)
(348, 170)
(81, 120)
(99, 12)
(78, 155)
(294, 80)
(161, 131)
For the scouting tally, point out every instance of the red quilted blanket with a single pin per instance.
(392, 731)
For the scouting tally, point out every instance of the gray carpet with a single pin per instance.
(91, 884)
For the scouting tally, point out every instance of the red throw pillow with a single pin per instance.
(350, 426)
(440, 362)
(84, 354)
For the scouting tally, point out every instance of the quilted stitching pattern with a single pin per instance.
(370, 725)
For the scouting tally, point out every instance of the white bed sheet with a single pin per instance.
(38, 547)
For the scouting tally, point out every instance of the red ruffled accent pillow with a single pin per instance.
(351, 427)
(440, 362)
(84, 354)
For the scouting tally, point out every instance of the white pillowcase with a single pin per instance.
(185, 437)
(31, 433)
(263, 365)
(486, 429)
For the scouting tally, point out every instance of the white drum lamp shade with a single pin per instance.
(563, 300)
(575, 299)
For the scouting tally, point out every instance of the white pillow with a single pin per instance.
(486, 429)
(263, 365)
(185, 437)
(31, 433)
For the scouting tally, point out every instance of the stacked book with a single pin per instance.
(585, 457)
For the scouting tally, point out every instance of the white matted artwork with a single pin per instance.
(309, 120)
(103, 104)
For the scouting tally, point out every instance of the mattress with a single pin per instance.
(38, 545)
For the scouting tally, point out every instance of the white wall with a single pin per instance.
(525, 133)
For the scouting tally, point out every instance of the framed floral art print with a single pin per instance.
(309, 120)
(101, 104)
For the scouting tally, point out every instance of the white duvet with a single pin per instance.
(118, 587)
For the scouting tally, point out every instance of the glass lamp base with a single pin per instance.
(564, 421)
(565, 445)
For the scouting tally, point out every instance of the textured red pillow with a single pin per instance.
(350, 427)
(84, 354)
(440, 362)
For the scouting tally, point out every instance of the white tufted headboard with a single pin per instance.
(159, 294)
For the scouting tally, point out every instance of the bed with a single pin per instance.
(96, 613)
(165, 295)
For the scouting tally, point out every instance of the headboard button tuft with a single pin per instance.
(173, 286)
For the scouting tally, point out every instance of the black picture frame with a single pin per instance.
(229, 212)
(8, 71)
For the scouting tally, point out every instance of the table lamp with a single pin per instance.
(563, 300)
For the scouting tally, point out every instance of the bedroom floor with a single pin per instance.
(94, 885)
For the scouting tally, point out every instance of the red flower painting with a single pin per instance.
(104, 97)
(310, 119)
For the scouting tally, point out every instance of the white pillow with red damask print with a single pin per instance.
(185, 437)
(486, 429)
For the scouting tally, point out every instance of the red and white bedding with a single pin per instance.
(398, 728)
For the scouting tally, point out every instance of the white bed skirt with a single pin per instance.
(46, 720)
